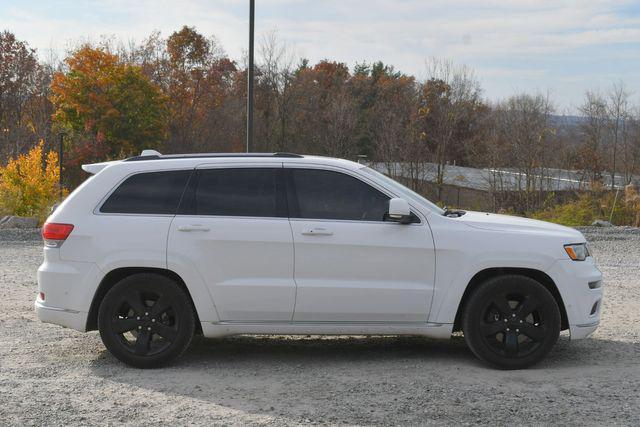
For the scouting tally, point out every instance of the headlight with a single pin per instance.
(577, 251)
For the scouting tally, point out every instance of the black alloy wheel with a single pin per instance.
(511, 321)
(146, 320)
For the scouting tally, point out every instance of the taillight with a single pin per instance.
(55, 234)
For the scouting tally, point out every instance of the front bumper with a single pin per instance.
(581, 289)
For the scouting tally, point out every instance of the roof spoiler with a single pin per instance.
(94, 168)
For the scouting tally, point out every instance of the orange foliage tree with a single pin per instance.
(108, 107)
(29, 185)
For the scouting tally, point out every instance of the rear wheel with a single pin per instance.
(511, 322)
(146, 320)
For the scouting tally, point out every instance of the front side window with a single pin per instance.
(148, 193)
(236, 192)
(324, 194)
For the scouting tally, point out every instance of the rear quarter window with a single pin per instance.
(148, 193)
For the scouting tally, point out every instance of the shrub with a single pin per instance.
(29, 186)
(588, 207)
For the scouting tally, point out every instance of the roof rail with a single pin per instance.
(147, 156)
(282, 154)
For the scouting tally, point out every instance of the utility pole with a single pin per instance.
(252, 7)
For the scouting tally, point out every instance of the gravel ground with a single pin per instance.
(55, 376)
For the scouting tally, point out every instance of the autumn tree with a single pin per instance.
(189, 55)
(109, 108)
(274, 97)
(632, 149)
(182, 93)
(449, 114)
(388, 105)
(523, 139)
(205, 88)
(377, 88)
(325, 111)
(619, 117)
(40, 109)
(371, 85)
(204, 102)
(20, 80)
(29, 183)
(593, 132)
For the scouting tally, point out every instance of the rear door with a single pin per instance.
(232, 228)
(351, 265)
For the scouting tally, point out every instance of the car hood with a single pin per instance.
(508, 223)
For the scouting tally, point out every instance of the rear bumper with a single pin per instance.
(581, 289)
(61, 316)
(68, 288)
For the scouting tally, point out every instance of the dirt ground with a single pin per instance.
(55, 376)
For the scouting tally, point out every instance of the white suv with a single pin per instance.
(155, 248)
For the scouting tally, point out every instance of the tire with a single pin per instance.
(511, 322)
(146, 320)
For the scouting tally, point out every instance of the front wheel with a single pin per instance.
(146, 320)
(511, 322)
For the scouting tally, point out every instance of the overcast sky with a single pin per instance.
(559, 47)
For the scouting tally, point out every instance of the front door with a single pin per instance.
(350, 264)
(233, 230)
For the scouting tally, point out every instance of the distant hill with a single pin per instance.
(567, 121)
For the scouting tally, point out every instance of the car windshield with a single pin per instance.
(402, 190)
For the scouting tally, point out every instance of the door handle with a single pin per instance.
(193, 227)
(317, 231)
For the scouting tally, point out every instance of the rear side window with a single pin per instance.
(324, 194)
(148, 193)
(252, 192)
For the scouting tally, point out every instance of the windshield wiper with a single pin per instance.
(453, 213)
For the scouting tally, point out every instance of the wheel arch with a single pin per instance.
(488, 273)
(114, 276)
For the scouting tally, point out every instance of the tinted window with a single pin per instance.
(148, 193)
(237, 192)
(323, 194)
